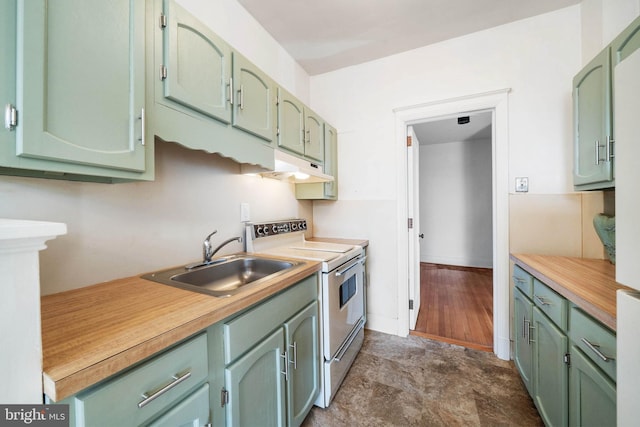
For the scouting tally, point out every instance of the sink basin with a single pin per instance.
(224, 278)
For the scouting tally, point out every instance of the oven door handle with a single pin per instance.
(347, 343)
(344, 270)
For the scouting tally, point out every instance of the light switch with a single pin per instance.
(522, 184)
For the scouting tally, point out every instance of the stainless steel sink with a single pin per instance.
(224, 278)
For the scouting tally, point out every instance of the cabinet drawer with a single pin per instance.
(584, 329)
(117, 401)
(523, 281)
(551, 304)
(244, 331)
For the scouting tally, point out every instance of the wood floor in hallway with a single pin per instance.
(456, 305)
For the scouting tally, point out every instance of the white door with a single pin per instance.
(413, 163)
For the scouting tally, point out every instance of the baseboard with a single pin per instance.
(382, 324)
(463, 262)
(502, 348)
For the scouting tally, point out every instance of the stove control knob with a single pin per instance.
(274, 228)
(303, 225)
(259, 230)
(294, 226)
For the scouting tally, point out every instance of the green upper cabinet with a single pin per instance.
(291, 133)
(627, 42)
(299, 129)
(204, 95)
(81, 82)
(196, 71)
(254, 99)
(76, 87)
(314, 131)
(326, 190)
(593, 133)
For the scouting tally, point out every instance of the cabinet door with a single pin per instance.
(81, 76)
(290, 122)
(198, 65)
(523, 354)
(254, 102)
(550, 376)
(314, 134)
(331, 161)
(627, 42)
(191, 412)
(592, 395)
(304, 363)
(592, 123)
(256, 385)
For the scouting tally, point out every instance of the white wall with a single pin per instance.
(602, 21)
(535, 57)
(455, 203)
(125, 229)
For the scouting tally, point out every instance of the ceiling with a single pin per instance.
(325, 35)
(448, 130)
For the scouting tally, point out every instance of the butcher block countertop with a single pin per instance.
(91, 333)
(588, 283)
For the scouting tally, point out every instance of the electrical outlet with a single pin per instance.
(522, 184)
(245, 214)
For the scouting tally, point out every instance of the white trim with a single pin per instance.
(498, 102)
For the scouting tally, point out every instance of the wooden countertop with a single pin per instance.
(588, 283)
(91, 333)
(359, 242)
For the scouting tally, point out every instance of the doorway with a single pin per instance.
(497, 103)
(453, 177)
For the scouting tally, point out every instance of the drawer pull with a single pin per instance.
(176, 380)
(519, 280)
(542, 300)
(596, 349)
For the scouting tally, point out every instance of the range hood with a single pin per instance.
(290, 168)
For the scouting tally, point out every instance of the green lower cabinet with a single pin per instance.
(256, 385)
(550, 372)
(191, 412)
(592, 395)
(523, 348)
(304, 373)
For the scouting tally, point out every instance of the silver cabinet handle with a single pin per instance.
(294, 346)
(524, 330)
(609, 154)
(517, 279)
(241, 92)
(541, 300)
(142, 126)
(230, 91)
(529, 328)
(176, 380)
(285, 357)
(596, 349)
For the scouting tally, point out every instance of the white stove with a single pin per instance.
(341, 292)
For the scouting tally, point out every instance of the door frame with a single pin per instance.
(497, 102)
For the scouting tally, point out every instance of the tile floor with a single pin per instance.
(419, 382)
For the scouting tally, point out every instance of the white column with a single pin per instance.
(20, 332)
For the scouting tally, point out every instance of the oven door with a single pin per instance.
(343, 304)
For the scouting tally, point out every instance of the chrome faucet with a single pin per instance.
(208, 252)
(226, 242)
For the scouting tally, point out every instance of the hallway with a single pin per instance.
(456, 305)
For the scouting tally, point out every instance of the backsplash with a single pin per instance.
(556, 224)
(120, 230)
